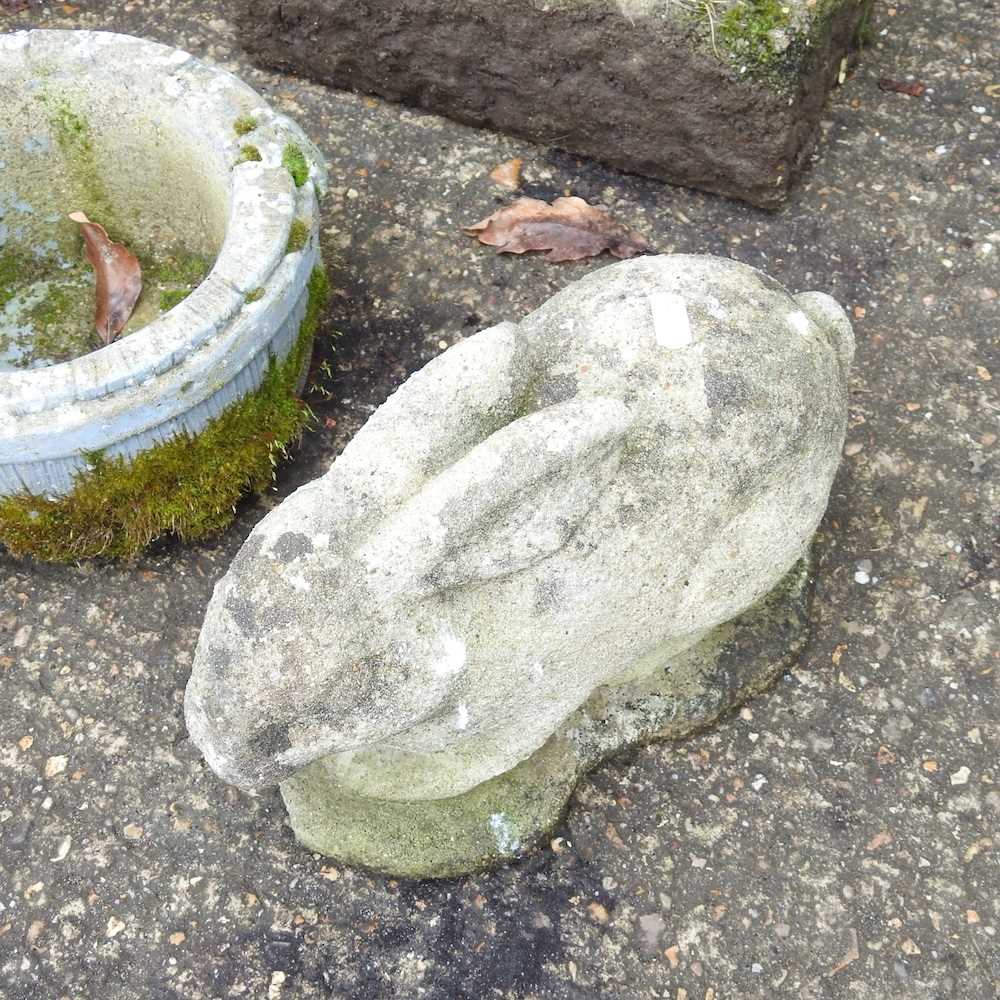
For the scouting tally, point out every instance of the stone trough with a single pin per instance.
(216, 194)
(720, 95)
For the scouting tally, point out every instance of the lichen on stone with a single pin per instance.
(188, 486)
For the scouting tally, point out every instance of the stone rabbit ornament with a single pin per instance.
(560, 537)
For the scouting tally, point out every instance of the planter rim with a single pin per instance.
(254, 246)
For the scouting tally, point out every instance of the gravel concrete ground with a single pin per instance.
(837, 838)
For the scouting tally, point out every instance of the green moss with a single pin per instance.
(70, 129)
(244, 125)
(775, 43)
(74, 137)
(295, 161)
(11, 269)
(298, 236)
(176, 269)
(172, 297)
(250, 154)
(255, 296)
(53, 303)
(53, 311)
(319, 293)
(864, 35)
(63, 323)
(189, 485)
(746, 26)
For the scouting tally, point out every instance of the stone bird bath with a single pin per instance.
(560, 538)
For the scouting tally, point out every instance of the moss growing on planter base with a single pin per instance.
(298, 236)
(295, 162)
(188, 485)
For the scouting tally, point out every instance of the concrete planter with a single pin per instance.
(176, 158)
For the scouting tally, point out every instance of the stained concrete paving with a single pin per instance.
(838, 838)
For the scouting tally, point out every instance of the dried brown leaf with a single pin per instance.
(911, 88)
(569, 229)
(13, 6)
(508, 174)
(119, 278)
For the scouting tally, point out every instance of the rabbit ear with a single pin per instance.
(510, 502)
(437, 415)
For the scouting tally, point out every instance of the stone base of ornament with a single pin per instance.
(504, 818)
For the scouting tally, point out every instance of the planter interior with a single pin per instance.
(127, 158)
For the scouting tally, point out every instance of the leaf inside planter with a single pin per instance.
(119, 278)
(569, 229)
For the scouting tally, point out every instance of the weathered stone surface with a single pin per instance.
(574, 501)
(721, 95)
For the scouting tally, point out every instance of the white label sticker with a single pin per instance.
(671, 323)
(799, 322)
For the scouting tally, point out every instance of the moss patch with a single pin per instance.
(250, 154)
(11, 268)
(176, 269)
(298, 236)
(295, 161)
(48, 307)
(63, 321)
(244, 125)
(74, 137)
(255, 296)
(773, 41)
(747, 27)
(48, 312)
(173, 297)
(189, 485)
